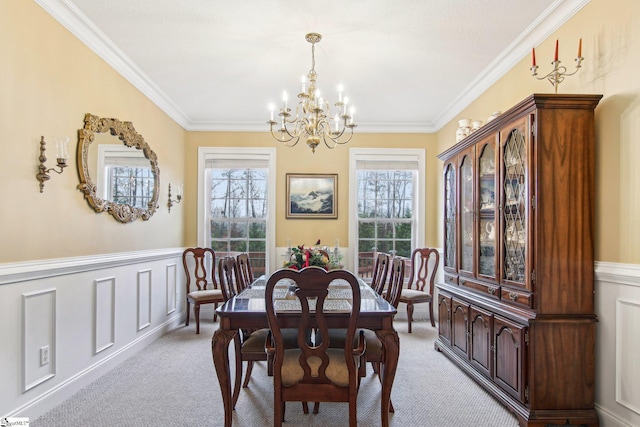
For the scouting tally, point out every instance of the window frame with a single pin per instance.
(237, 154)
(386, 156)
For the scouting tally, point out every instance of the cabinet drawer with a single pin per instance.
(512, 296)
(492, 291)
(451, 279)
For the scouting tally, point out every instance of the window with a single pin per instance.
(235, 210)
(388, 212)
(124, 176)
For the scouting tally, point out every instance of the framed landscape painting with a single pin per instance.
(312, 195)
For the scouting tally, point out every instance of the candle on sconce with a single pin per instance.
(340, 93)
(555, 57)
(271, 108)
(62, 150)
(580, 48)
(336, 243)
(533, 56)
(285, 97)
(304, 81)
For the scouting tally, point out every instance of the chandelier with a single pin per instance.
(313, 119)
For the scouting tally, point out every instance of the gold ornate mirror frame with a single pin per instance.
(127, 134)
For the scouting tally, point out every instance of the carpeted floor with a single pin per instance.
(172, 382)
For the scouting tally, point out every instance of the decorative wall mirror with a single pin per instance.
(127, 177)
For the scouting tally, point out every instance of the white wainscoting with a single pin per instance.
(105, 313)
(618, 344)
(87, 314)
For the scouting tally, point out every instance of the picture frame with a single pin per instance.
(312, 196)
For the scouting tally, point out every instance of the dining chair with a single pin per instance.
(199, 267)
(313, 372)
(375, 350)
(245, 275)
(424, 265)
(380, 272)
(392, 295)
(249, 344)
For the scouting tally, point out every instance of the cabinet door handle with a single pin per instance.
(492, 291)
(513, 296)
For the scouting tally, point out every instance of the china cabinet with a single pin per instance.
(516, 309)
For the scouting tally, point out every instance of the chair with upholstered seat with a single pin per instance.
(380, 272)
(424, 265)
(392, 295)
(199, 268)
(314, 371)
(249, 345)
(375, 350)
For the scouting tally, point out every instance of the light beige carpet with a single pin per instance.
(172, 382)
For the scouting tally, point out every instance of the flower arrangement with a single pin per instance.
(303, 257)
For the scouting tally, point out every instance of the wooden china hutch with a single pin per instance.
(516, 311)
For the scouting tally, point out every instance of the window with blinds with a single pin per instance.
(124, 176)
(237, 205)
(386, 193)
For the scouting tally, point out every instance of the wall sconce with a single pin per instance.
(178, 199)
(62, 155)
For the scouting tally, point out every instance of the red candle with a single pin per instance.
(533, 56)
(555, 58)
(580, 48)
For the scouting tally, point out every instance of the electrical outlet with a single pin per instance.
(44, 355)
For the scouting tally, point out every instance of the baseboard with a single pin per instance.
(609, 419)
(55, 396)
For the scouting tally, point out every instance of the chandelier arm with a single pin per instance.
(286, 142)
(279, 135)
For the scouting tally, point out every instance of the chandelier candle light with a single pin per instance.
(559, 72)
(313, 119)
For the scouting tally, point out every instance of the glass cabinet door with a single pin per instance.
(467, 214)
(450, 234)
(514, 212)
(486, 201)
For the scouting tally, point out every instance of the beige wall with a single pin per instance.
(611, 47)
(49, 80)
(300, 159)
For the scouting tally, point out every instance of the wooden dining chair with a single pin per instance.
(249, 344)
(380, 272)
(375, 351)
(424, 265)
(245, 275)
(313, 372)
(199, 267)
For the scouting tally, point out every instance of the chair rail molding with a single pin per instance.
(622, 274)
(39, 269)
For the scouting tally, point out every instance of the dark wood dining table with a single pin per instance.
(247, 311)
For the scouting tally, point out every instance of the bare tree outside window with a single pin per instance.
(130, 185)
(385, 212)
(238, 212)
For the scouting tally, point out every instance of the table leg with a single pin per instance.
(220, 349)
(391, 345)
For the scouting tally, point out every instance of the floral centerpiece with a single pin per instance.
(302, 256)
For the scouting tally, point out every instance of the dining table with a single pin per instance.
(247, 310)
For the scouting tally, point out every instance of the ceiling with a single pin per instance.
(406, 65)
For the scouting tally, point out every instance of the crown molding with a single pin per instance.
(546, 24)
(65, 12)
